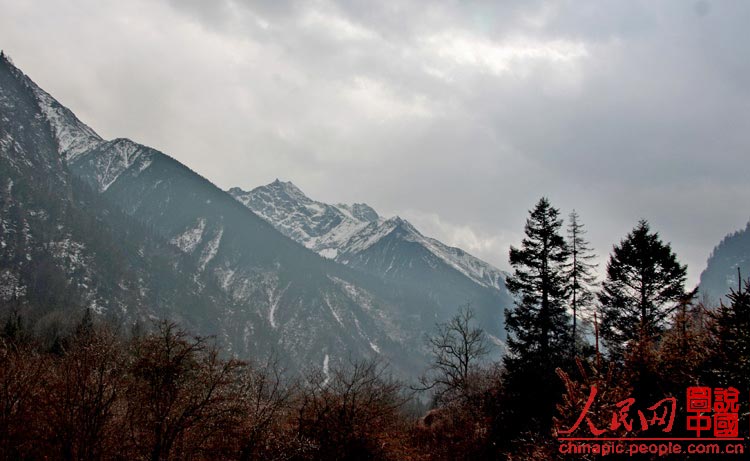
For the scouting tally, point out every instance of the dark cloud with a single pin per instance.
(456, 115)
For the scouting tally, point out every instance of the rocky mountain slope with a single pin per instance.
(63, 248)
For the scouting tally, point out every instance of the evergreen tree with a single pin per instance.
(731, 332)
(644, 285)
(539, 325)
(580, 273)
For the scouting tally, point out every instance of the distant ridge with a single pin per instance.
(389, 248)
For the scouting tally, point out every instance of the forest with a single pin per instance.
(93, 390)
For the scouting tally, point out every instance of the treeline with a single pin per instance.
(96, 394)
(166, 395)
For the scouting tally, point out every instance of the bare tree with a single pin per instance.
(84, 384)
(180, 394)
(22, 373)
(353, 412)
(265, 399)
(458, 348)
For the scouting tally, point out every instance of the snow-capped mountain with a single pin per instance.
(320, 227)
(142, 236)
(390, 248)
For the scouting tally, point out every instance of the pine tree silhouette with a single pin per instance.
(580, 273)
(539, 325)
(644, 285)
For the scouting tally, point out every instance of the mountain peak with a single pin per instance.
(288, 188)
(398, 221)
(6, 60)
(404, 227)
(4, 57)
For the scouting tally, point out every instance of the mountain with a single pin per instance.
(389, 248)
(63, 248)
(720, 274)
(322, 228)
(142, 237)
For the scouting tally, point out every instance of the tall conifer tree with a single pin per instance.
(580, 273)
(644, 285)
(539, 325)
(731, 331)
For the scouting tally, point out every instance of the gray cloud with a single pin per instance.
(456, 115)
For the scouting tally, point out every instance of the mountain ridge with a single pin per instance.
(63, 248)
(323, 239)
(389, 248)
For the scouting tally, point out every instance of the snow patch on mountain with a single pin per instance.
(333, 310)
(336, 237)
(358, 211)
(73, 137)
(121, 155)
(212, 247)
(69, 252)
(226, 277)
(274, 297)
(354, 293)
(13, 152)
(10, 285)
(329, 253)
(326, 371)
(369, 235)
(7, 143)
(188, 240)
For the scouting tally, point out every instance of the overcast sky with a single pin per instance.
(455, 115)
